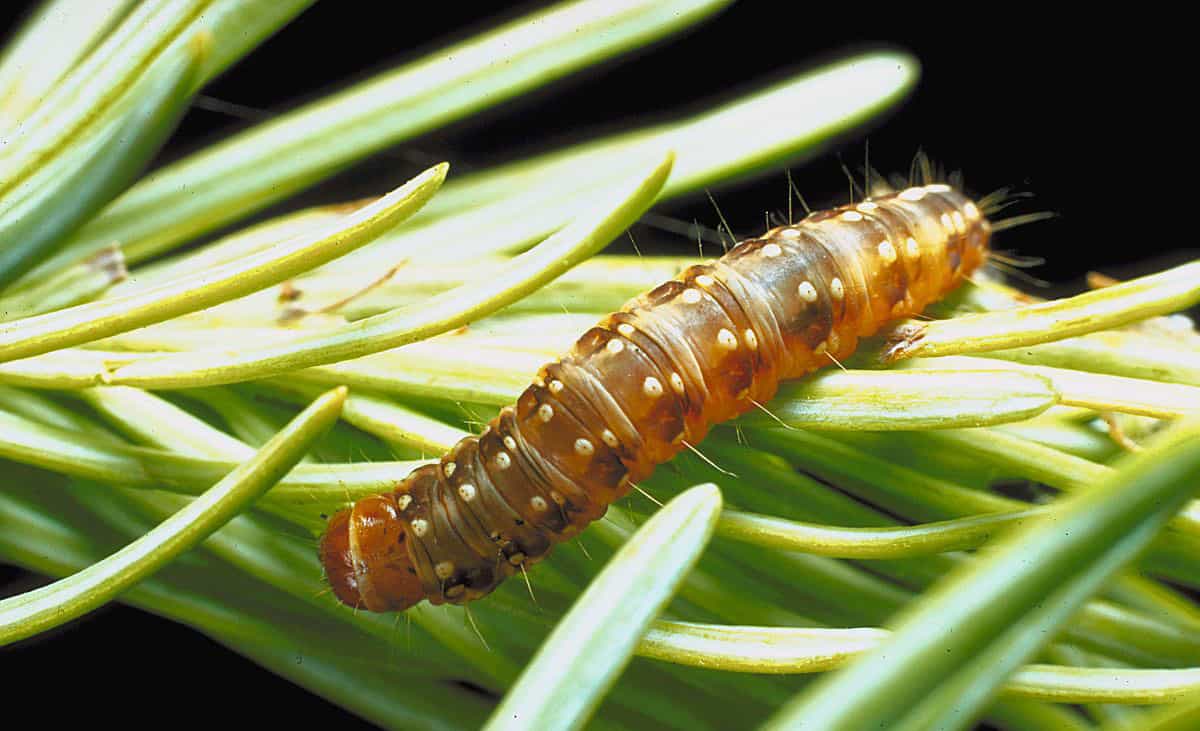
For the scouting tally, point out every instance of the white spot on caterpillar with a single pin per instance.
(887, 251)
(651, 387)
(691, 296)
(584, 448)
(837, 289)
(705, 281)
(971, 209)
(750, 338)
(960, 223)
(946, 222)
(517, 559)
(538, 503)
(443, 569)
(834, 341)
(912, 194)
(807, 291)
(677, 383)
(771, 251)
(404, 501)
(503, 461)
(911, 247)
(868, 206)
(791, 234)
(610, 439)
(625, 329)
(545, 412)
(614, 346)
(556, 387)
(448, 469)
(938, 188)
(852, 216)
(466, 491)
(510, 442)
(727, 339)
(420, 527)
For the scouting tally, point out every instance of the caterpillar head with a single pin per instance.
(365, 555)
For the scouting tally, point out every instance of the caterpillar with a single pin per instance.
(645, 383)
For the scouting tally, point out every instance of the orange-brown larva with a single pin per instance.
(642, 385)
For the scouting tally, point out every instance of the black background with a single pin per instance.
(1080, 110)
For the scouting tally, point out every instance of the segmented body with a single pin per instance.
(645, 383)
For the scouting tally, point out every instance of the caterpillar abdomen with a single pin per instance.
(642, 385)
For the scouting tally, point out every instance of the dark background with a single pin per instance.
(1078, 110)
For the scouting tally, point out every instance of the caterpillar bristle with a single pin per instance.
(1016, 272)
(878, 183)
(1022, 220)
(921, 171)
(855, 188)
(836, 362)
(691, 231)
(470, 618)
(793, 190)
(648, 496)
(1001, 198)
(775, 418)
(529, 587)
(1016, 260)
(914, 166)
(694, 450)
(723, 222)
